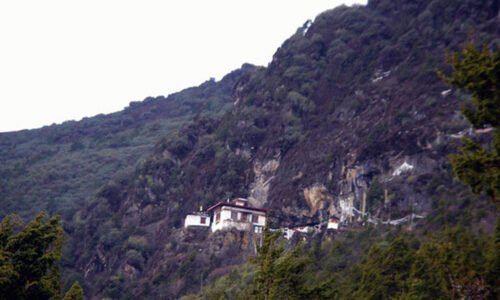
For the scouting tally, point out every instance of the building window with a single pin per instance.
(234, 216)
(203, 220)
(245, 217)
(217, 217)
(255, 219)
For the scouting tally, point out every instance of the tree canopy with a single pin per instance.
(74, 293)
(478, 72)
(279, 272)
(29, 258)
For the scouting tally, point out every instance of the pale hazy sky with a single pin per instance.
(63, 60)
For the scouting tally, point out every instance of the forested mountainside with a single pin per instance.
(351, 105)
(350, 114)
(56, 168)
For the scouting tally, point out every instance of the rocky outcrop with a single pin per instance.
(263, 175)
(317, 198)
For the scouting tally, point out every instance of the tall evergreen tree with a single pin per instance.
(268, 254)
(451, 265)
(288, 273)
(386, 270)
(74, 293)
(493, 269)
(478, 72)
(279, 273)
(28, 259)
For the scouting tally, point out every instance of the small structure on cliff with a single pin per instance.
(237, 214)
(197, 219)
(333, 223)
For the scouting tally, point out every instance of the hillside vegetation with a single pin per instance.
(350, 120)
(58, 167)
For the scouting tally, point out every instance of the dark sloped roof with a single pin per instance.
(222, 204)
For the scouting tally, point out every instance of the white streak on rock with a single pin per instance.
(445, 93)
(405, 167)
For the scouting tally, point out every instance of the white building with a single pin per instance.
(237, 214)
(197, 219)
(333, 223)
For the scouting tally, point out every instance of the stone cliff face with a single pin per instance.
(349, 120)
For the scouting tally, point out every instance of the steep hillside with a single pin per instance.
(57, 167)
(350, 108)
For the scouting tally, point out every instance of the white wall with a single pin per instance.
(224, 215)
(261, 221)
(195, 220)
(333, 225)
(226, 221)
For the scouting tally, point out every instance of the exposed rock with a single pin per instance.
(295, 211)
(317, 197)
(346, 204)
(264, 174)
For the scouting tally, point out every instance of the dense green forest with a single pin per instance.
(452, 264)
(359, 116)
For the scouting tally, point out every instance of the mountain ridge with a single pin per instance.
(345, 103)
(61, 165)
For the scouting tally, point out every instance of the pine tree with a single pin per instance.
(478, 72)
(268, 254)
(385, 270)
(28, 259)
(493, 270)
(74, 293)
(288, 276)
(451, 265)
(279, 273)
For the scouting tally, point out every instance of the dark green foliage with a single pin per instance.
(453, 264)
(289, 282)
(385, 270)
(135, 259)
(478, 72)
(278, 272)
(375, 195)
(493, 275)
(268, 254)
(478, 167)
(292, 133)
(300, 104)
(180, 146)
(75, 292)
(29, 258)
